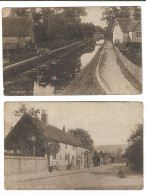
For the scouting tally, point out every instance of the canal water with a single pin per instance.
(55, 75)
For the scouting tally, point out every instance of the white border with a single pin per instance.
(141, 97)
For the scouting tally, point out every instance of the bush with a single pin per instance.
(130, 50)
(134, 153)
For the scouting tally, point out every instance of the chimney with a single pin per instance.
(132, 13)
(44, 116)
(63, 129)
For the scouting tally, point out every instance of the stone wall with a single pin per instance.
(20, 164)
(135, 70)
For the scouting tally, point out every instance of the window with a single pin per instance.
(66, 146)
(73, 147)
(60, 156)
(72, 157)
(66, 157)
(138, 34)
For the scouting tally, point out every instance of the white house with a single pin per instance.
(126, 30)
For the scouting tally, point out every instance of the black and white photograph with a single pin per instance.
(73, 146)
(72, 51)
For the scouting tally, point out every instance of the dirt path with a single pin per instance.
(110, 76)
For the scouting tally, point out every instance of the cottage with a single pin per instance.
(127, 30)
(30, 136)
(17, 31)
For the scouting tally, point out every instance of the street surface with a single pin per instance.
(112, 79)
(102, 178)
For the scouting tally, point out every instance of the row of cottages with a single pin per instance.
(127, 30)
(17, 31)
(106, 158)
(30, 136)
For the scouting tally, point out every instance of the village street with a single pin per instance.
(103, 177)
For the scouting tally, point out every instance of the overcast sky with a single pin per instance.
(107, 123)
(94, 15)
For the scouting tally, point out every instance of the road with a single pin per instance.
(102, 178)
(111, 77)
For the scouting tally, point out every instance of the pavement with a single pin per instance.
(98, 178)
(110, 76)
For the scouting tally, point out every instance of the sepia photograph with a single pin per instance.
(72, 51)
(73, 145)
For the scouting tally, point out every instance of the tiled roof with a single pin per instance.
(124, 23)
(16, 26)
(132, 25)
(49, 131)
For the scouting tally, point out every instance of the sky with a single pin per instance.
(107, 122)
(94, 15)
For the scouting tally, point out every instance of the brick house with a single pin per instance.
(30, 135)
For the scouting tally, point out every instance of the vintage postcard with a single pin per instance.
(73, 145)
(72, 51)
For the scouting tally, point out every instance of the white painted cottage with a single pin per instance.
(127, 30)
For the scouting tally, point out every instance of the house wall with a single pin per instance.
(136, 34)
(20, 40)
(20, 165)
(125, 37)
(117, 34)
(68, 155)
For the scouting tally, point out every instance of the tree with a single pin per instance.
(21, 12)
(134, 152)
(23, 110)
(51, 148)
(56, 25)
(110, 14)
(96, 158)
(84, 138)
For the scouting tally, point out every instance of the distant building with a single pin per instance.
(127, 30)
(30, 136)
(106, 159)
(17, 31)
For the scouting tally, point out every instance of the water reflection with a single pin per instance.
(53, 77)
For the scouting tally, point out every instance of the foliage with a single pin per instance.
(96, 159)
(53, 25)
(131, 50)
(134, 152)
(84, 138)
(111, 13)
(23, 110)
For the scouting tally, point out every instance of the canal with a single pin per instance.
(54, 76)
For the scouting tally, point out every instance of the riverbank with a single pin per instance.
(14, 69)
(86, 83)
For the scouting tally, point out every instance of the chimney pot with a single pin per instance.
(44, 116)
(63, 129)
